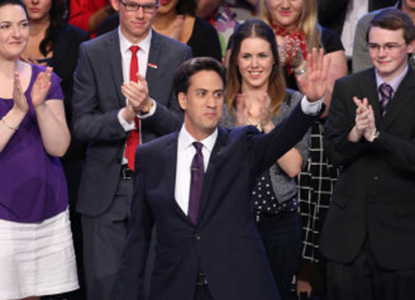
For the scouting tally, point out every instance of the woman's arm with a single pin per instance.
(11, 121)
(50, 115)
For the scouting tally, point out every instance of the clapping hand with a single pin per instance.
(292, 46)
(365, 119)
(41, 87)
(138, 96)
(20, 101)
(313, 83)
(253, 110)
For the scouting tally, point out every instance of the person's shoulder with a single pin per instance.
(167, 42)
(70, 32)
(101, 42)
(365, 19)
(354, 78)
(159, 143)
(293, 95)
(203, 25)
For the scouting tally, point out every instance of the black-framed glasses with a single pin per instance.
(147, 8)
(388, 47)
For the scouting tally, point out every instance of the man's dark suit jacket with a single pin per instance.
(97, 100)
(225, 243)
(375, 194)
(332, 13)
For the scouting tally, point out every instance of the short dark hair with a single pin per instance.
(393, 19)
(14, 2)
(181, 80)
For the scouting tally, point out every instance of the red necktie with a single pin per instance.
(133, 139)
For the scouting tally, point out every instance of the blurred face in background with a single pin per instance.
(255, 63)
(14, 31)
(285, 13)
(167, 7)
(408, 5)
(38, 10)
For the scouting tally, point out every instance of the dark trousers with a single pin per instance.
(203, 293)
(364, 279)
(103, 243)
(281, 235)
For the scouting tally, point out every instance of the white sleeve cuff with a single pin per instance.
(311, 108)
(150, 112)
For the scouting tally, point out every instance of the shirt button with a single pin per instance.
(197, 237)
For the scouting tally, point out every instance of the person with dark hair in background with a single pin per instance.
(195, 186)
(254, 74)
(122, 97)
(370, 134)
(36, 249)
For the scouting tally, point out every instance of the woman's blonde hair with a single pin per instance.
(307, 22)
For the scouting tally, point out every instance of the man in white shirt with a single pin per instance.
(213, 251)
(122, 97)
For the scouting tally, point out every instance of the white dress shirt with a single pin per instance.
(185, 153)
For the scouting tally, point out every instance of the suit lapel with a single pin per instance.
(400, 99)
(153, 60)
(114, 57)
(208, 204)
(371, 92)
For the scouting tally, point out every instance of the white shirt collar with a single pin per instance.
(126, 44)
(186, 140)
(394, 83)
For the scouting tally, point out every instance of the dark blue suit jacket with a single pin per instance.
(97, 100)
(225, 243)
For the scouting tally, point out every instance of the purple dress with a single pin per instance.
(32, 183)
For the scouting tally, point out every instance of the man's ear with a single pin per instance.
(115, 4)
(182, 98)
(411, 47)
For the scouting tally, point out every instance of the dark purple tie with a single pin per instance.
(385, 91)
(196, 183)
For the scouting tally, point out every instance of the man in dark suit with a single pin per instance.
(332, 14)
(368, 232)
(215, 251)
(112, 101)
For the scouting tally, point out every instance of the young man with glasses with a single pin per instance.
(122, 97)
(367, 236)
(361, 58)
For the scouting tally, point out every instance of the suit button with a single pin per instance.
(197, 237)
(376, 178)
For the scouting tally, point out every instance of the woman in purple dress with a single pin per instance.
(36, 249)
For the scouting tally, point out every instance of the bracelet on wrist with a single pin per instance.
(300, 71)
(8, 125)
